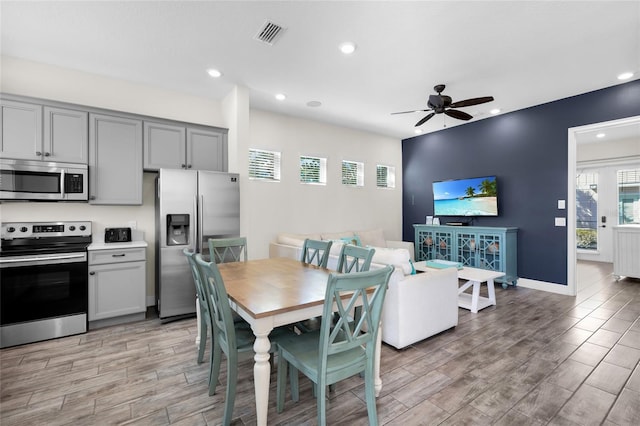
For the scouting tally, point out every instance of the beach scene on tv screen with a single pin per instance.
(466, 197)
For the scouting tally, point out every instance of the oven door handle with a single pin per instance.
(62, 258)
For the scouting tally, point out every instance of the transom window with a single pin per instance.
(264, 165)
(352, 173)
(385, 176)
(313, 170)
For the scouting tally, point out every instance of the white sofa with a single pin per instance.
(416, 306)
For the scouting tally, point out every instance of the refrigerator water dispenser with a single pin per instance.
(177, 229)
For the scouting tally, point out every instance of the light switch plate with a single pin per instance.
(561, 204)
(561, 221)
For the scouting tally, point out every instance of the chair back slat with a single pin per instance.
(355, 259)
(197, 280)
(218, 300)
(316, 252)
(223, 250)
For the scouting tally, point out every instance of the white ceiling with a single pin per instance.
(522, 53)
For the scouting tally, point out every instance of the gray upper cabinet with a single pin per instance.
(66, 135)
(164, 146)
(115, 160)
(21, 135)
(206, 150)
(33, 132)
(179, 147)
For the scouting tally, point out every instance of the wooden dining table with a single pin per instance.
(272, 292)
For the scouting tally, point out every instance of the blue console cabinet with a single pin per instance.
(481, 247)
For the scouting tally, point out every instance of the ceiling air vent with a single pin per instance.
(269, 33)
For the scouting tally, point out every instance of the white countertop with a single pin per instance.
(101, 245)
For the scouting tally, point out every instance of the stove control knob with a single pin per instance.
(11, 229)
(24, 229)
(82, 227)
(72, 228)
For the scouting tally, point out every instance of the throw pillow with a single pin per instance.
(398, 257)
(355, 240)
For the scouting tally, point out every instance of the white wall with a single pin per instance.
(267, 208)
(289, 206)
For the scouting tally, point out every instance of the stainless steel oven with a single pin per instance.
(38, 180)
(43, 281)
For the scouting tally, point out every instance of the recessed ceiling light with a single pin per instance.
(348, 48)
(600, 135)
(495, 111)
(418, 131)
(314, 104)
(625, 76)
(281, 96)
(214, 73)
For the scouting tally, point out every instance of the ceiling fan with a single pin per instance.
(442, 104)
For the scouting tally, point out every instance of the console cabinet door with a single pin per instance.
(164, 146)
(115, 160)
(21, 135)
(65, 135)
(206, 150)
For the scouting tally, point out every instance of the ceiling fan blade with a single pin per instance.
(425, 119)
(472, 101)
(460, 115)
(406, 112)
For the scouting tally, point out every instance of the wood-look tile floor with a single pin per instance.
(536, 358)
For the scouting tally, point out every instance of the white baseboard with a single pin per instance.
(544, 286)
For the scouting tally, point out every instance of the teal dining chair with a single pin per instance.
(316, 252)
(338, 351)
(355, 259)
(225, 336)
(224, 250)
(204, 308)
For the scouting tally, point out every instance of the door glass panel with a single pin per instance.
(587, 211)
(628, 196)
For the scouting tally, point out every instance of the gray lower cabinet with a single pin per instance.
(35, 132)
(115, 160)
(117, 283)
(178, 147)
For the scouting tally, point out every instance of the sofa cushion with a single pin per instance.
(296, 240)
(397, 257)
(374, 238)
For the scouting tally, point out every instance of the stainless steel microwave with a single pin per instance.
(43, 181)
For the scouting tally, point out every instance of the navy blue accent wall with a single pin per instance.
(527, 151)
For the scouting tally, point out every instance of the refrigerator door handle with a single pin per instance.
(200, 221)
(196, 233)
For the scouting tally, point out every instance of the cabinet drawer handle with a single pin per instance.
(92, 273)
(39, 153)
(118, 255)
(184, 166)
(47, 154)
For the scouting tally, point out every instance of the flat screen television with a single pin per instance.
(466, 197)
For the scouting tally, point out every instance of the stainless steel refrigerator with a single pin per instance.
(191, 207)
